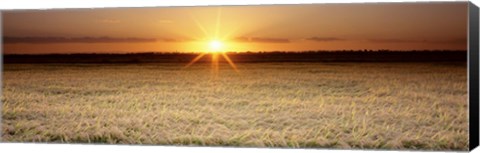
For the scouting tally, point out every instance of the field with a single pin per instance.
(334, 105)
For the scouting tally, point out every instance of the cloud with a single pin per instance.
(167, 40)
(44, 40)
(446, 41)
(261, 40)
(324, 39)
(456, 41)
(394, 41)
(109, 21)
(165, 21)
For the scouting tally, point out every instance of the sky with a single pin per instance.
(393, 26)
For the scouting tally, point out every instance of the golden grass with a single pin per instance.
(332, 105)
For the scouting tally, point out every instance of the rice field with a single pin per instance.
(418, 106)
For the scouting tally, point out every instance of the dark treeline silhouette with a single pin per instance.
(239, 57)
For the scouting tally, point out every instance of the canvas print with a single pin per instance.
(346, 76)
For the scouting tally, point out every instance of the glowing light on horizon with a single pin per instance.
(215, 48)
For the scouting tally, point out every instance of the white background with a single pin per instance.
(81, 148)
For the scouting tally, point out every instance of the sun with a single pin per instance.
(215, 46)
(216, 51)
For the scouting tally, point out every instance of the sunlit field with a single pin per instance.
(299, 105)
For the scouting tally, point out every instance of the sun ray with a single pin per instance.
(195, 60)
(217, 26)
(215, 66)
(200, 26)
(230, 62)
(215, 46)
(227, 35)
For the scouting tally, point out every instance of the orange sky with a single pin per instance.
(395, 26)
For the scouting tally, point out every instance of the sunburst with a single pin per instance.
(215, 52)
(216, 48)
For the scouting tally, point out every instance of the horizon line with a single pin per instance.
(193, 52)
